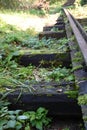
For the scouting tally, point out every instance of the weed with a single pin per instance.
(35, 43)
(39, 118)
(78, 57)
(77, 68)
(18, 119)
(83, 2)
(37, 12)
(72, 93)
(60, 74)
(85, 28)
(85, 118)
(82, 99)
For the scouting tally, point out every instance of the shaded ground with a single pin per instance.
(66, 124)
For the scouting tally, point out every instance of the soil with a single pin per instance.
(65, 124)
(28, 21)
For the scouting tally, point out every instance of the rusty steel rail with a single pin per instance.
(79, 33)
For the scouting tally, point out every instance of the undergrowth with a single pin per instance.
(19, 119)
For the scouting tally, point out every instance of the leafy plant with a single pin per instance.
(78, 57)
(85, 118)
(11, 73)
(39, 118)
(77, 67)
(83, 2)
(37, 12)
(72, 93)
(18, 119)
(60, 74)
(82, 99)
(16, 37)
(10, 119)
(50, 43)
(85, 28)
(35, 74)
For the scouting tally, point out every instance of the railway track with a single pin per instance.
(74, 28)
(67, 114)
(81, 74)
(79, 33)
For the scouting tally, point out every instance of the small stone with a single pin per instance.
(59, 90)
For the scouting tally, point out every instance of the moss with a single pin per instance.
(38, 51)
(72, 93)
(77, 59)
(77, 67)
(77, 56)
(85, 118)
(2, 89)
(82, 100)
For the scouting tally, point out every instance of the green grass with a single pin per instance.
(56, 6)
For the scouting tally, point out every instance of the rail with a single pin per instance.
(79, 33)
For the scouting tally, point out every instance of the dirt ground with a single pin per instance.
(24, 21)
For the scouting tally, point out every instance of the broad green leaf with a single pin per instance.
(1, 128)
(39, 125)
(2, 122)
(11, 112)
(27, 127)
(12, 117)
(18, 125)
(41, 109)
(17, 112)
(23, 117)
(70, 78)
(11, 124)
(32, 117)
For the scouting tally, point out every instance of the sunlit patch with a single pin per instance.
(25, 21)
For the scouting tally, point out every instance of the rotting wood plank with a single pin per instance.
(79, 37)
